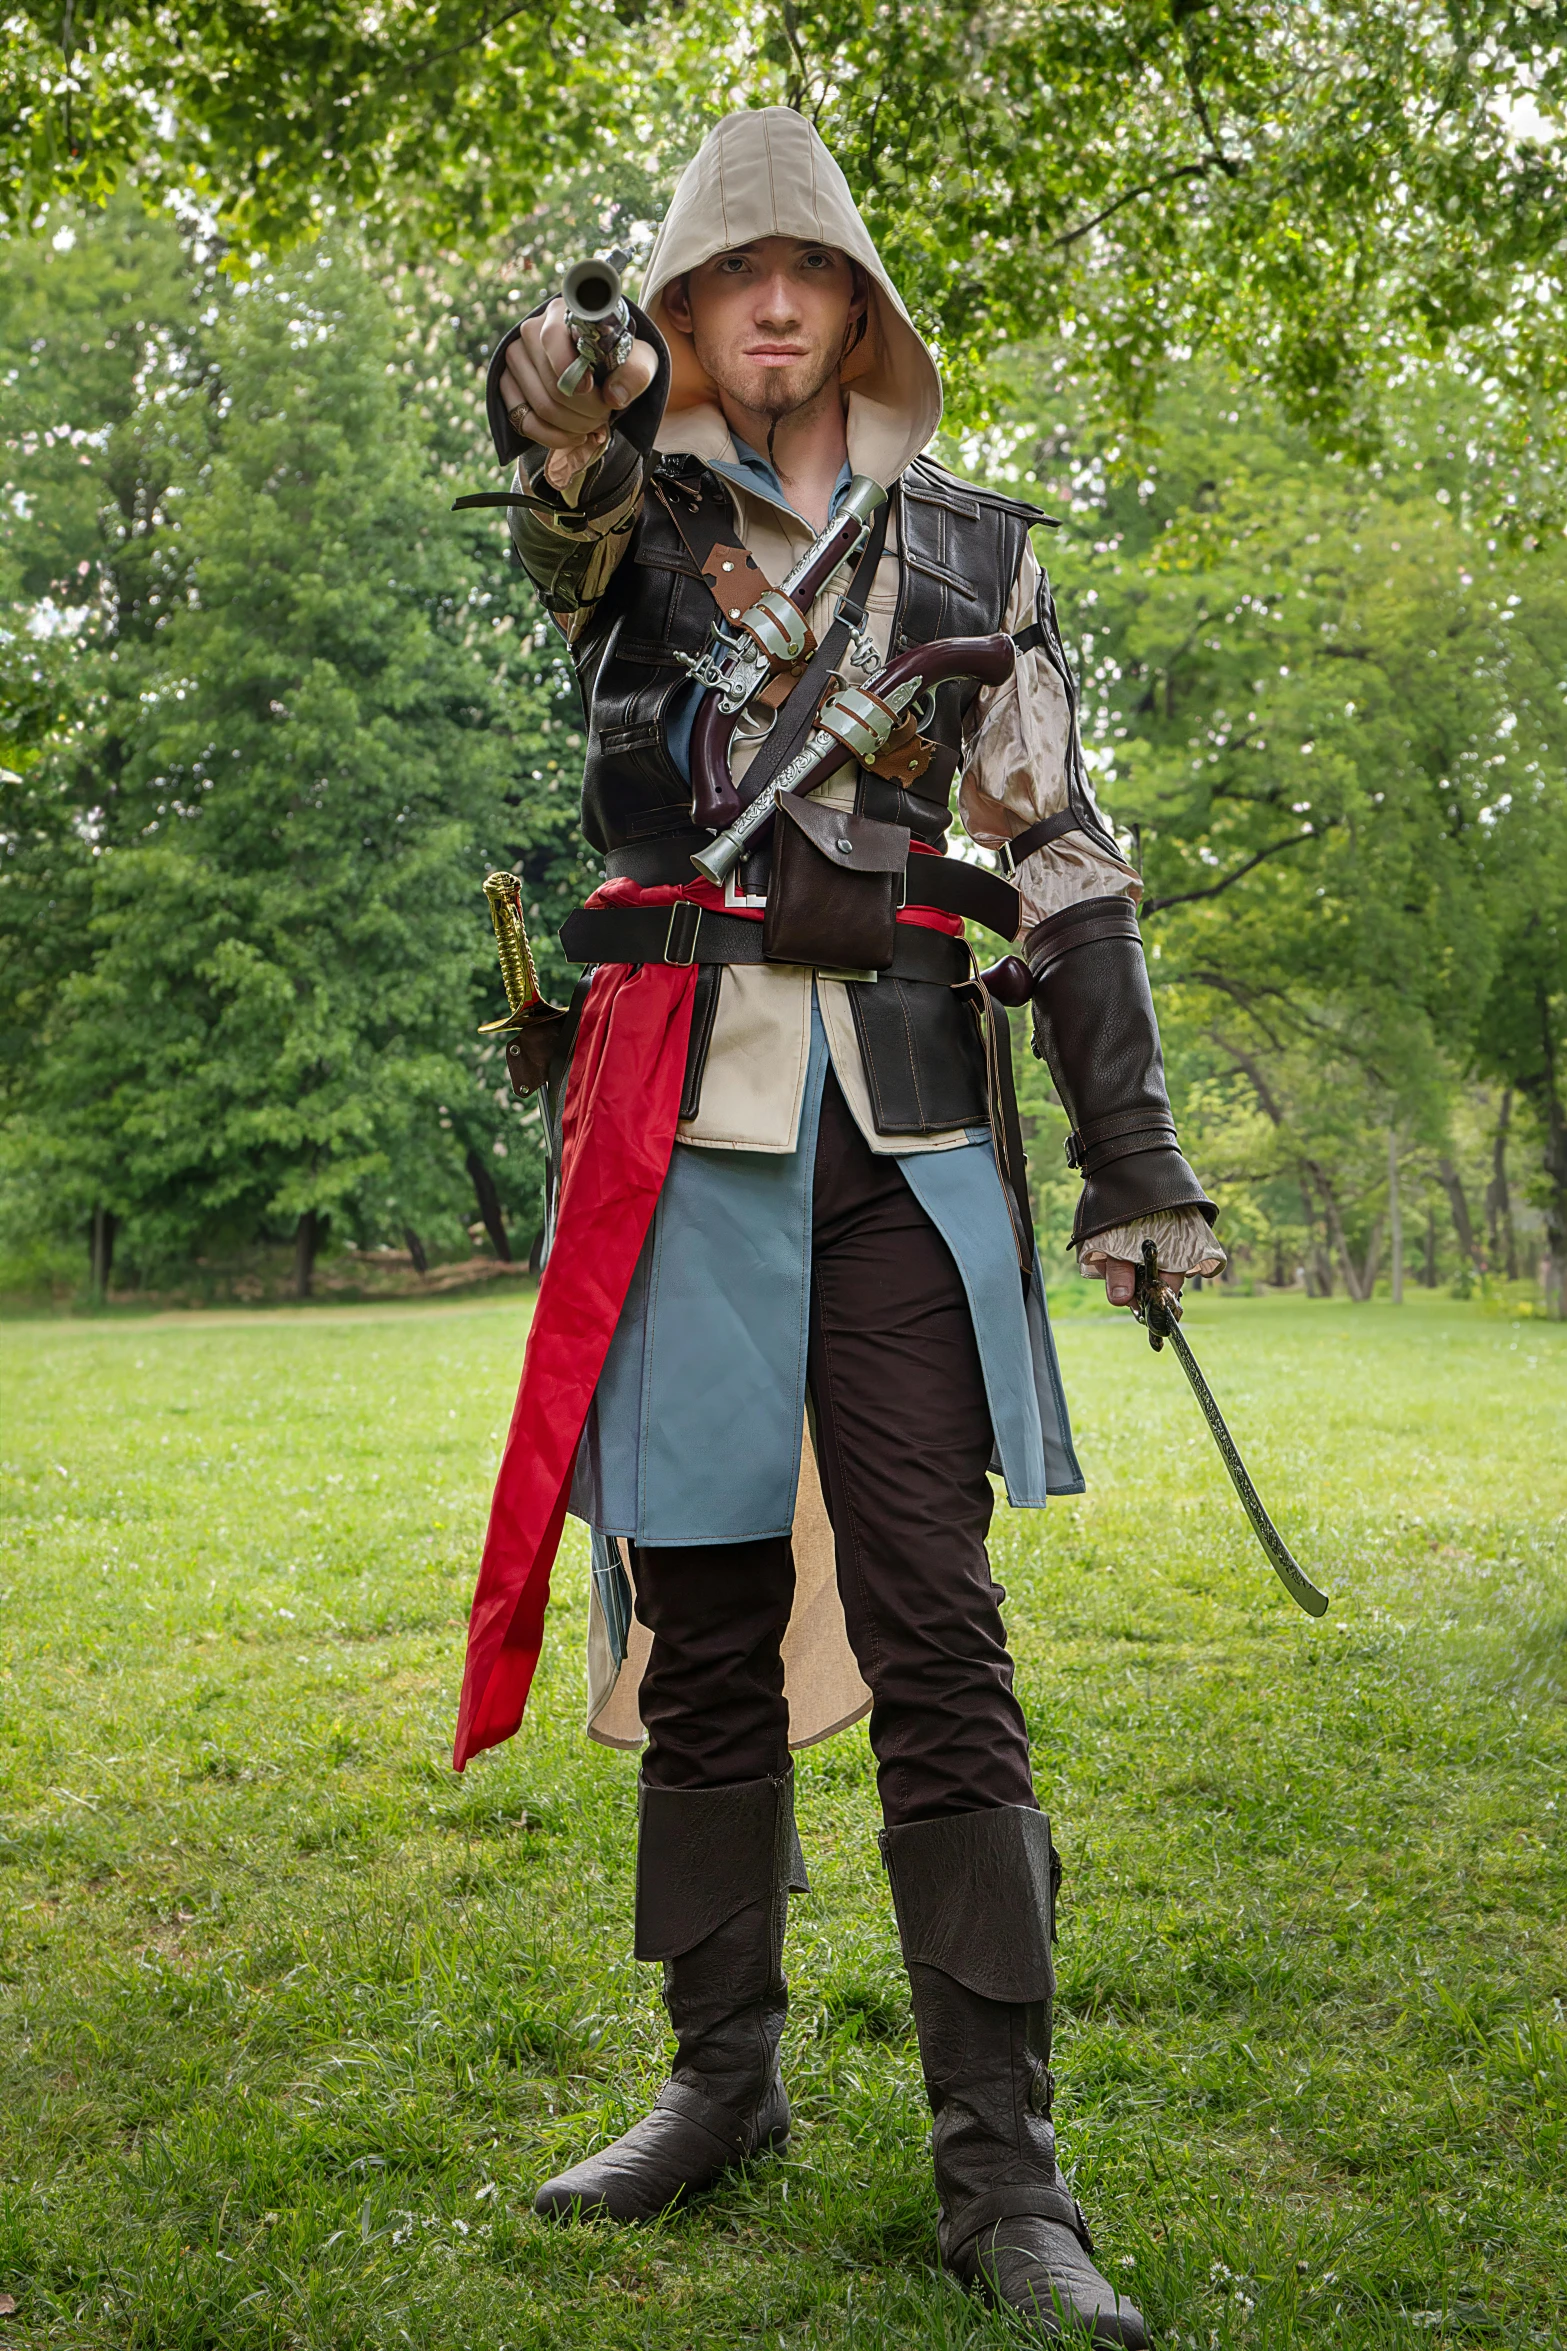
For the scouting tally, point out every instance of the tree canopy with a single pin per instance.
(1322, 194)
(270, 716)
(1266, 302)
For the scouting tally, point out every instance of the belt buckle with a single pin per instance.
(735, 897)
(688, 932)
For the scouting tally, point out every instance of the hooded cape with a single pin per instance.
(766, 173)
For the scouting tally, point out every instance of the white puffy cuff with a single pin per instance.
(1182, 1236)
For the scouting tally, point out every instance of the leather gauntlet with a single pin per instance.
(1094, 1024)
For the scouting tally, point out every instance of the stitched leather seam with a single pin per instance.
(914, 1067)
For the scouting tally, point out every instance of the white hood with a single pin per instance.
(767, 174)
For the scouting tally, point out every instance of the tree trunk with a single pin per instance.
(415, 1248)
(1498, 1199)
(105, 1224)
(1395, 1210)
(1359, 1281)
(1453, 1186)
(307, 1240)
(489, 1205)
(1430, 1272)
(1319, 1265)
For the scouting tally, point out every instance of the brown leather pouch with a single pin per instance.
(837, 884)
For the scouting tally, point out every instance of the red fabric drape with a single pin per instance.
(626, 1076)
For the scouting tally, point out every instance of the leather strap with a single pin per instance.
(1038, 836)
(709, 515)
(955, 887)
(1114, 1124)
(686, 933)
(648, 863)
(1100, 1155)
(798, 715)
(1148, 1133)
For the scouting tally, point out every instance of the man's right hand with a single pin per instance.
(574, 426)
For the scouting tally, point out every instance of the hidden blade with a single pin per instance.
(1156, 1309)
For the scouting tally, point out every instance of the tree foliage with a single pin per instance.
(273, 718)
(1329, 706)
(1318, 193)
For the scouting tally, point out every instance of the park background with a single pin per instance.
(1265, 306)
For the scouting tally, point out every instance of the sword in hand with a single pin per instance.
(1158, 1310)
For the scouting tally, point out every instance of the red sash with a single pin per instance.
(626, 1077)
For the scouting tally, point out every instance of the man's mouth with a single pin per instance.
(776, 354)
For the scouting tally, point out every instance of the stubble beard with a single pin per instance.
(774, 392)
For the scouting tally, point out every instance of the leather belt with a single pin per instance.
(949, 884)
(953, 886)
(666, 858)
(686, 933)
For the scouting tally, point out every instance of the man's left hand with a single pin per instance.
(1121, 1281)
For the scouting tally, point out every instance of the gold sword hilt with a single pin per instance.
(503, 896)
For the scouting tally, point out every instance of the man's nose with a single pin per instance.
(776, 304)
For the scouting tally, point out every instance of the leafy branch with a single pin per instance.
(1272, 849)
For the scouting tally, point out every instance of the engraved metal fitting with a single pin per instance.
(858, 721)
(778, 626)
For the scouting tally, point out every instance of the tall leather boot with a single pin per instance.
(974, 1895)
(714, 1869)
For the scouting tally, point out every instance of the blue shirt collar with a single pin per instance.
(753, 472)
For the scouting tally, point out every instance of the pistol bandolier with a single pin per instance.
(832, 1210)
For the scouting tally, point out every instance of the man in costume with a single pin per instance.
(790, 1261)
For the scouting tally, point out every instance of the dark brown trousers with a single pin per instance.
(903, 1443)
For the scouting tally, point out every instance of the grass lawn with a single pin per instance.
(292, 2020)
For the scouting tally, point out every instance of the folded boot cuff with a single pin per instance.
(705, 1853)
(973, 1896)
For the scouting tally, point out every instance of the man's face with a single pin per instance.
(770, 321)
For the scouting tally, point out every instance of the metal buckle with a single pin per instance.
(734, 896)
(1004, 860)
(688, 907)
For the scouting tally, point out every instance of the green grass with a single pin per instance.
(292, 2021)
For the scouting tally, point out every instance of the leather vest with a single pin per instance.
(958, 552)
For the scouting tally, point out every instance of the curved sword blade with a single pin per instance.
(1294, 1579)
(1160, 1314)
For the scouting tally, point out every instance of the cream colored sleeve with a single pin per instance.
(1016, 772)
(1182, 1236)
